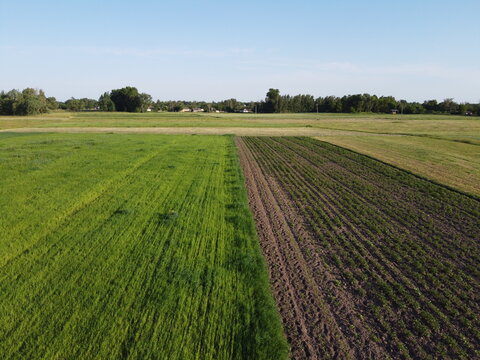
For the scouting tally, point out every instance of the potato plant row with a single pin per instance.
(404, 250)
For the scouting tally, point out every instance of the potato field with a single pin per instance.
(367, 261)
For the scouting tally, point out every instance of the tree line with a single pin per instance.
(276, 103)
(129, 99)
(27, 102)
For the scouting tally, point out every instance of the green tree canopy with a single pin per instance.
(146, 101)
(28, 102)
(105, 102)
(272, 101)
(127, 99)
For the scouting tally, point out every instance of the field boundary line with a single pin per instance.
(448, 187)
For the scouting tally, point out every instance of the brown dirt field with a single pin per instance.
(356, 251)
(311, 327)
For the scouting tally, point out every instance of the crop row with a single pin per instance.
(406, 250)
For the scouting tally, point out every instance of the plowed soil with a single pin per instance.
(355, 250)
(303, 310)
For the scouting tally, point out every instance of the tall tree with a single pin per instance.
(31, 102)
(127, 99)
(430, 105)
(52, 103)
(73, 104)
(146, 101)
(272, 101)
(105, 103)
(8, 101)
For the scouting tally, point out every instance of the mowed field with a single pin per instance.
(130, 246)
(367, 261)
(444, 125)
(442, 148)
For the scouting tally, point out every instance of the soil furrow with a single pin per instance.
(308, 321)
(390, 279)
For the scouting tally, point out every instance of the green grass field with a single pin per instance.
(443, 148)
(138, 246)
(440, 125)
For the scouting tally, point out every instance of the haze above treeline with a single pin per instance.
(128, 99)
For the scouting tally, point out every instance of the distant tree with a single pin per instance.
(105, 103)
(207, 107)
(127, 99)
(413, 108)
(386, 104)
(329, 104)
(230, 105)
(272, 101)
(146, 101)
(8, 102)
(368, 102)
(177, 106)
(352, 103)
(32, 102)
(73, 104)
(52, 103)
(162, 106)
(89, 104)
(81, 104)
(448, 106)
(430, 106)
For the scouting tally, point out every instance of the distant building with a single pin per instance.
(468, 113)
(394, 111)
(198, 110)
(186, 110)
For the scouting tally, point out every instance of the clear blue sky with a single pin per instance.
(212, 50)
